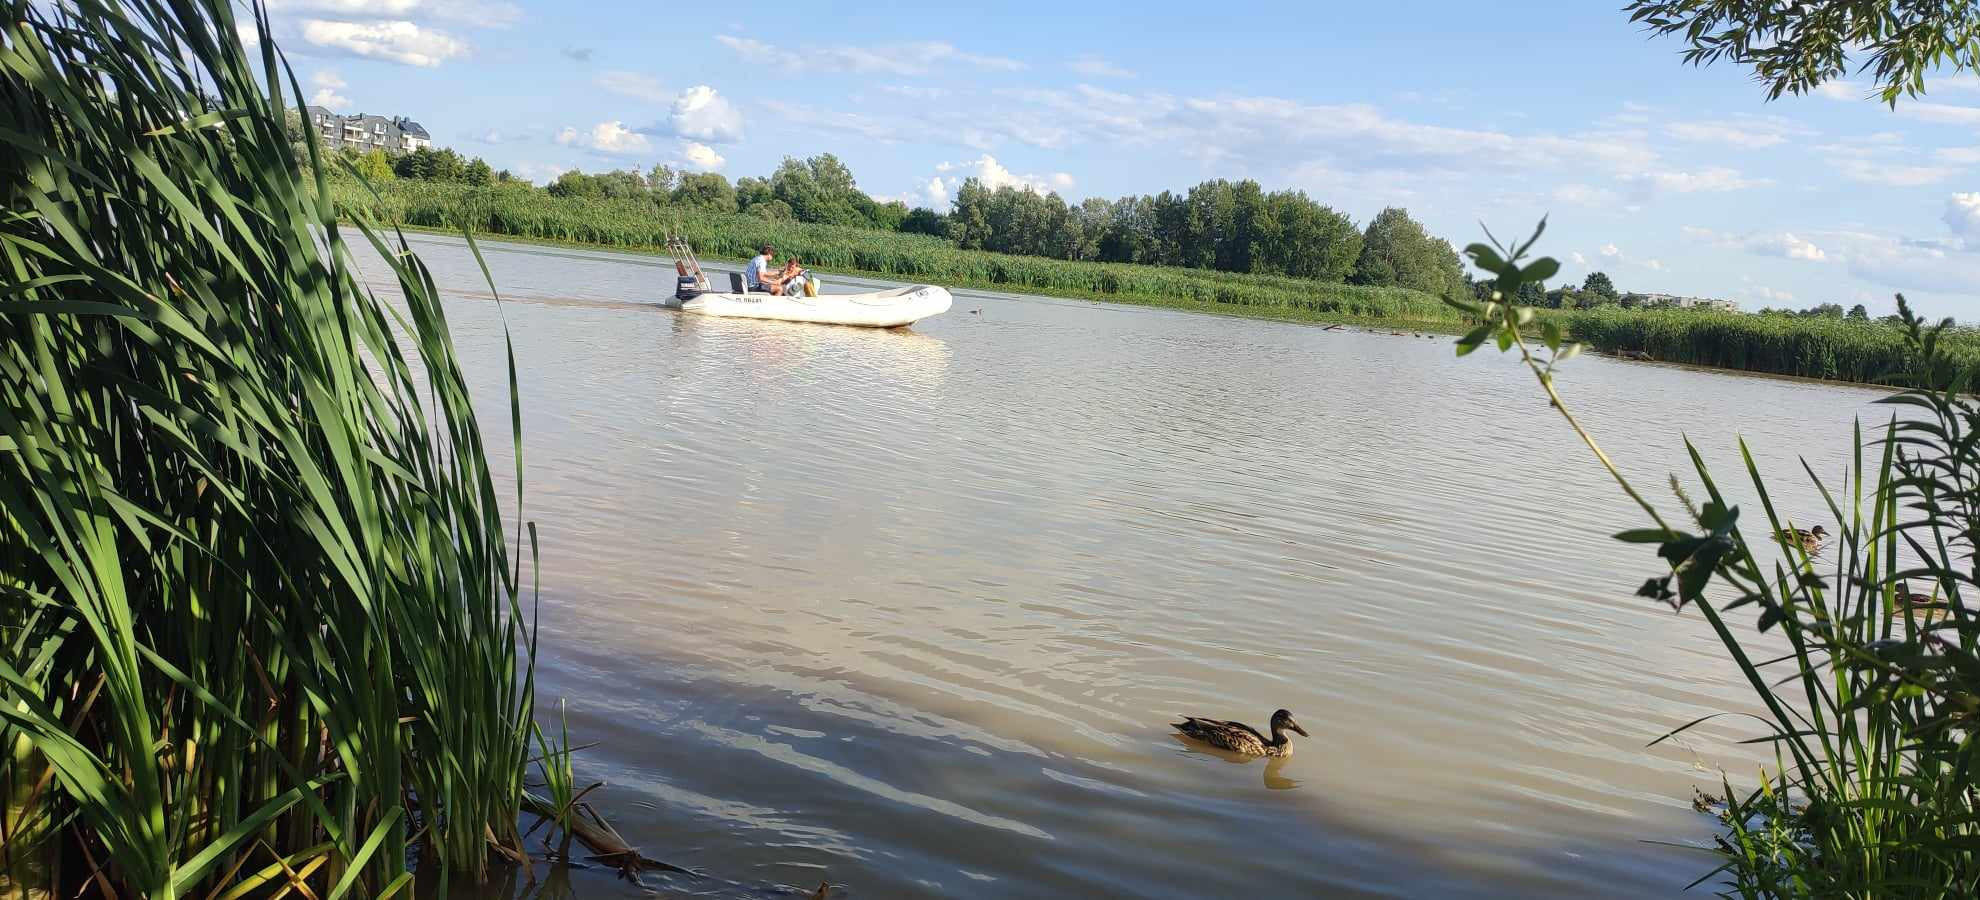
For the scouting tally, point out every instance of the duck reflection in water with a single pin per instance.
(1275, 778)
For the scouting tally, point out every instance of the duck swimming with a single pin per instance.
(1924, 606)
(1809, 540)
(1238, 737)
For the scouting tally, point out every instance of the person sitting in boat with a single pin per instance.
(790, 282)
(758, 276)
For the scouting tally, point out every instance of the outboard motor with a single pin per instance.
(688, 288)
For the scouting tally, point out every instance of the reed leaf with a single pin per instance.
(256, 593)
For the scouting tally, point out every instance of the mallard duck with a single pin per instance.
(1809, 540)
(1924, 606)
(1238, 737)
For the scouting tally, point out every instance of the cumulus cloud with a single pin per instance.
(606, 137)
(701, 156)
(1614, 255)
(635, 85)
(399, 42)
(1843, 90)
(327, 84)
(1784, 244)
(702, 114)
(917, 58)
(993, 175)
(461, 12)
(939, 191)
(1095, 67)
(1963, 214)
(1787, 245)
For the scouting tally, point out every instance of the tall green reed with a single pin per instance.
(1871, 713)
(262, 622)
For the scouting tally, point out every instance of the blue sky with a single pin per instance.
(1670, 178)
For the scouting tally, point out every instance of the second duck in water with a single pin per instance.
(1241, 738)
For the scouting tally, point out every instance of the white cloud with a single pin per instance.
(1958, 156)
(1842, 90)
(634, 85)
(606, 137)
(1276, 132)
(1586, 195)
(399, 42)
(1711, 179)
(1745, 132)
(461, 12)
(702, 114)
(1941, 113)
(1782, 244)
(327, 84)
(1787, 245)
(914, 91)
(1876, 143)
(540, 173)
(1614, 254)
(916, 58)
(1963, 214)
(846, 123)
(1870, 171)
(993, 175)
(1762, 292)
(701, 156)
(1095, 67)
(1907, 264)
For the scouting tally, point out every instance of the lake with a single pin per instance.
(909, 611)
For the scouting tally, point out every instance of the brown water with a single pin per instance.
(909, 611)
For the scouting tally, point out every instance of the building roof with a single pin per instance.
(412, 128)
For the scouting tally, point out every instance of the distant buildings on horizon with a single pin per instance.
(1689, 302)
(396, 134)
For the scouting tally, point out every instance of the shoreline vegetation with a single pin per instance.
(1806, 346)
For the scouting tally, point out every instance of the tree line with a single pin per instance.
(1228, 226)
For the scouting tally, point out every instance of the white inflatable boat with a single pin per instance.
(873, 309)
